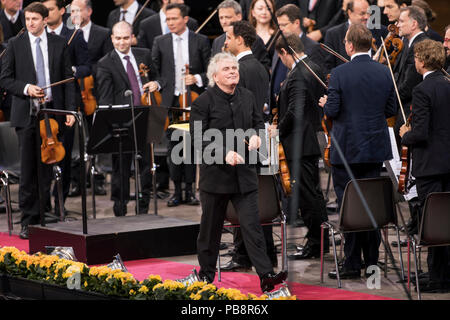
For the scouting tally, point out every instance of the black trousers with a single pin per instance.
(307, 196)
(367, 241)
(438, 257)
(214, 208)
(29, 144)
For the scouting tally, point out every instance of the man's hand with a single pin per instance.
(315, 35)
(190, 79)
(273, 131)
(151, 86)
(35, 91)
(323, 101)
(233, 158)
(404, 129)
(254, 142)
(70, 120)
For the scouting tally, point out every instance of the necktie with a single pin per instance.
(40, 66)
(123, 12)
(179, 65)
(133, 82)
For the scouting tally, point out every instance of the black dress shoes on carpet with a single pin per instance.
(235, 266)
(345, 274)
(270, 280)
(24, 232)
(191, 200)
(308, 251)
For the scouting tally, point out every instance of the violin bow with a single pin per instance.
(18, 34)
(73, 35)
(329, 50)
(393, 80)
(445, 73)
(140, 11)
(206, 21)
(58, 83)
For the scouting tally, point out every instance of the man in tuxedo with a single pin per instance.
(11, 18)
(127, 10)
(99, 43)
(229, 177)
(171, 53)
(299, 118)
(358, 90)
(118, 72)
(357, 12)
(253, 76)
(228, 12)
(428, 137)
(156, 25)
(81, 65)
(48, 56)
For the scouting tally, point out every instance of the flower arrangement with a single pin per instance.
(54, 270)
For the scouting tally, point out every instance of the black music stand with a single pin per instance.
(112, 132)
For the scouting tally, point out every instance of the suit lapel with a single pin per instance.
(29, 55)
(51, 56)
(192, 45)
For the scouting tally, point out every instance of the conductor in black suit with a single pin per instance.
(225, 107)
(429, 138)
(32, 61)
(171, 53)
(156, 25)
(128, 10)
(118, 72)
(299, 118)
(12, 18)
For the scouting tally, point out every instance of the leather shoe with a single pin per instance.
(270, 280)
(99, 190)
(235, 266)
(24, 232)
(307, 253)
(191, 200)
(345, 274)
(403, 243)
(174, 201)
(74, 191)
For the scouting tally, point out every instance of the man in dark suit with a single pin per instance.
(128, 10)
(299, 118)
(224, 107)
(81, 65)
(392, 9)
(156, 25)
(253, 76)
(228, 12)
(318, 12)
(359, 90)
(48, 56)
(171, 53)
(447, 48)
(429, 138)
(118, 72)
(11, 18)
(357, 12)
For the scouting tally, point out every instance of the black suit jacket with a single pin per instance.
(8, 31)
(430, 133)
(163, 59)
(112, 79)
(150, 28)
(258, 49)
(254, 77)
(215, 109)
(79, 53)
(323, 11)
(114, 17)
(18, 71)
(298, 111)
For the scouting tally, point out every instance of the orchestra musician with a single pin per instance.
(81, 65)
(37, 48)
(447, 48)
(359, 90)
(392, 9)
(298, 122)
(429, 137)
(254, 77)
(12, 18)
(318, 13)
(227, 106)
(171, 53)
(118, 72)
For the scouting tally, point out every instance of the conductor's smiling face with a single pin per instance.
(227, 75)
(121, 37)
(35, 23)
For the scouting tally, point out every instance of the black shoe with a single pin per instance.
(174, 201)
(434, 287)
(24, 232)
(270, 280)
(74, 191)
(234, 266)
(313, 248)
(161, 194)
(119, 210)
(345, 274)
(100, 190)
(308, 252)
(191, 200)
(403, 243)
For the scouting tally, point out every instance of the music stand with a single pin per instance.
(112, 132)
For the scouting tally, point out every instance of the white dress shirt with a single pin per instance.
(131, 12)
(13, 18)
(57, 31)
(134, 64)
(164, 27)
(86, 31)
(243, 54)
(427, 73)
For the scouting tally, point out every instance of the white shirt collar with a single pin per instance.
(132, 9)
(359, 54)
(300, 59)
(13, 18)
(243, 54)
(122, 55)
(57, 30)
(412, 39)
(33, 38)
(87, 30)
(184, 35)
(427, 74)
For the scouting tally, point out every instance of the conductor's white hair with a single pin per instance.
(213, 66)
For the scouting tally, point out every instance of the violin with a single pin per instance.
(52, 150)
(187, 97)
(150, 98)
(89, 101)
(284, 169)
(393, 43)
(403, 180)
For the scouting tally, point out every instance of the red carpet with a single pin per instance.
(244, 282)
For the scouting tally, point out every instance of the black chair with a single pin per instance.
(379, 196)
(270, 213)
(434, 228)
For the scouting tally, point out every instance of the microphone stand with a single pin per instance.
(137, 157)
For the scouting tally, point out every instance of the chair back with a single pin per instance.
(435, 222)
(9, 149)
(379, 196)
(268, 202)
